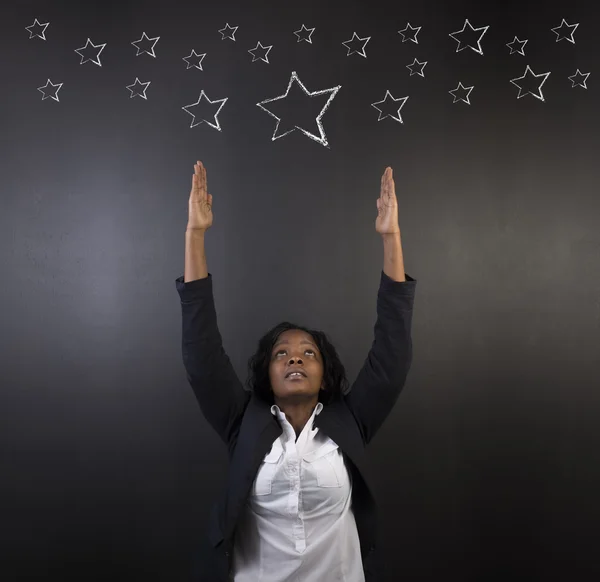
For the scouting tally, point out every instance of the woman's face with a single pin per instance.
(295, 349)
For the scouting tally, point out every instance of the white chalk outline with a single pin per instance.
(194, 54)
(466, 97)
(414, 36)
(520, 49)
(528, 69)
(226, 27)
(388, 94)
(416, 72)
(155, 39)
(484, 28)
(38, 23)
(303, 28)
(203, 94)
(265, 59)
(350, 51)
(137, 93)
(584, 75)
(294, 77)
(97, 54)
(49, 82)
(564, 22)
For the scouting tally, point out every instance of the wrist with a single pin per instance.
(195, 231)
(390, 235)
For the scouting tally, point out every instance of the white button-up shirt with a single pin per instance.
(298, 524)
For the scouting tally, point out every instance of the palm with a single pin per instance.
(387, 205)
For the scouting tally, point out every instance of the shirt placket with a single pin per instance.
(294, 509)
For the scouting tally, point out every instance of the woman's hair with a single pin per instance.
(334, 373)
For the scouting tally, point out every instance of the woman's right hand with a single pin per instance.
(200, 215)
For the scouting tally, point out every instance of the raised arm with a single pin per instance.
(384, 372)
(217, 388)
(200, 219)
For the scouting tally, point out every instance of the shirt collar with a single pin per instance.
(276, 411)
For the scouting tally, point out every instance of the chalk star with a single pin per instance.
(357, 40)
(294, 79)
(259, 47)
(197, 105)
(79, 51)
(135, 91)
(538, 86)
(460, 88)
(40, 33)
(558, 31)
(227, 28)
(466, 34)
(145, 38)
(56, 89)
(520, 50)
(414, 64)
(581, 83)
(390, 106)
(301, 36)
(194, 55)
(412, 36)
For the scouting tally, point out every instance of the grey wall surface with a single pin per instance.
(487, 469)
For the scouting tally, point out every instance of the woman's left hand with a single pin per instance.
(387, 206)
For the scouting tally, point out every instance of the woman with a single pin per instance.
(297, 504)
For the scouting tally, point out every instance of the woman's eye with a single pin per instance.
(281, 351)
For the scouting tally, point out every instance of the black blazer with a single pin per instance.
(248, 428)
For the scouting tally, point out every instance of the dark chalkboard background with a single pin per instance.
(487, 469)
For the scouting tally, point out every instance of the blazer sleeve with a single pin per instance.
(217, 388)
(383, 374)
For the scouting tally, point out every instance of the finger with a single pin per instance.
(198, 179)
(202, 181)
(382, 193)
(195, 180)
(194, 191)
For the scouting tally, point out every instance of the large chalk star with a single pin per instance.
(465, 34)
(538, 94)
(40, 32)
(560, 33)
(391, 107)
(56, 89)
(198, 105)
(294, 79)
(79, 51)
(355, 41)
(149, 49)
